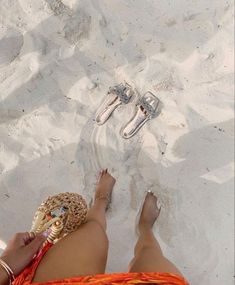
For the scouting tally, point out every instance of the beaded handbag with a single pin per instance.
(62, 213)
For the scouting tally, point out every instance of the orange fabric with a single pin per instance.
(26, 277)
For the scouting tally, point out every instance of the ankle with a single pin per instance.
(145, 227)
(101, 203)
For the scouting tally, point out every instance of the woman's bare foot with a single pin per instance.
(150, 212)
(104, 188)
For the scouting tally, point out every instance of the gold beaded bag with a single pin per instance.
(62, 213)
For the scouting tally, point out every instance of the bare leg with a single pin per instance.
(83, 252)
(148, 254)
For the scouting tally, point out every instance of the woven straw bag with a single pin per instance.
(62, 213)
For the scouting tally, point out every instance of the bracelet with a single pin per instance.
(8, 271)
(101, 197)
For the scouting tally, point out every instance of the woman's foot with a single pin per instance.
(104, 188)
(150, 212)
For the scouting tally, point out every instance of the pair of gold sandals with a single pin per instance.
(146, 108)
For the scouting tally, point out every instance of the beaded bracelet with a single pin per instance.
(8, 271)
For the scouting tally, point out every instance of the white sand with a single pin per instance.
(57, 60)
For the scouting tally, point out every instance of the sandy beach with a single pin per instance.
(57, 62)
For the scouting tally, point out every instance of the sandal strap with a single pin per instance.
(124, 92)
(149, 103)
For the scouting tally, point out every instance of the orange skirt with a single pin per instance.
(26, 277)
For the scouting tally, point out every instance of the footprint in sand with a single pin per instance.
(11, 43)
(77, 28)
(76, 23)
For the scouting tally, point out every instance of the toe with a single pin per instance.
(150, 196)
(158, 204)
(101, 173)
